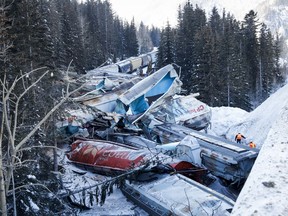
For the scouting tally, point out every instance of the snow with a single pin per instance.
(265, 191)
(158, 12)
(258, 123)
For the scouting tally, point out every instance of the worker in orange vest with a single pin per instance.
(239, 137)
(252, 144)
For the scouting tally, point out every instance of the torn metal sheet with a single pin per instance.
(135, 141)
(106, 102)
(149, 92)
(183, 110)
(95, 88)
(225, 159)
(187, 149)
(177, 195)
(111, 68)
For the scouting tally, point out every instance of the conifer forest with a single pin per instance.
(228, 62)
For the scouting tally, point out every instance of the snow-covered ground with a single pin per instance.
(266, 189)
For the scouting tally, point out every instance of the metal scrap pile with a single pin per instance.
(120, 116)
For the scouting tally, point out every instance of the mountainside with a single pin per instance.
(274, 13)
(236, 7)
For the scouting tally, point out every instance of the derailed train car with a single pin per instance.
(124, 66)
(230, 162)
(177, 195)
(111, 158)
(131, 65)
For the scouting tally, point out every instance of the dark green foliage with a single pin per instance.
(229, 64)
(166, 49)
(155, 36)
(279, 77)
(37, 187)
(130, 43)
(251, 51)
(47, 35)
(104, 188)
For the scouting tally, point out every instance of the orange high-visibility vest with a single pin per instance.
(239, 137)
(252, 145)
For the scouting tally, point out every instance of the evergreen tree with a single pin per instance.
(237, 79)
(105, 23)
(118, 39)
(250, 48)
(94, 51)
(190, 22)
(54, 17)
(71, 42)
(206, 70)
(266, 64)
(6, 40)
(166, 50)
(32, 43)
(155, 36)
(130, 40)
(216, 74)
(279, 78)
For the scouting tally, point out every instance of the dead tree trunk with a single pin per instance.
(6, 171)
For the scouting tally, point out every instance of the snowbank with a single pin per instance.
(258, 123)
(265, 191)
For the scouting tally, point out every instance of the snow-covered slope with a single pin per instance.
(265, 191)
(258, 123)
(275, 14)
(236, 7)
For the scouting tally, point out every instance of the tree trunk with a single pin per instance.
(3, 204)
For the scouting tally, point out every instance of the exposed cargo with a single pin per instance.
(145, 60)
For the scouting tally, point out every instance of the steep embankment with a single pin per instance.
(265, 191)
(258, 123)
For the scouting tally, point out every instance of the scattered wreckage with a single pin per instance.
(225, 159)
(177, 195)
(137, 119)
(111, 158)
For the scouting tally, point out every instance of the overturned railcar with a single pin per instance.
(227, 160)
(149, 92)
(111, 158)
(183, 110)
(177, 195)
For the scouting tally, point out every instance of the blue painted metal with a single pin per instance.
(149, 91)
